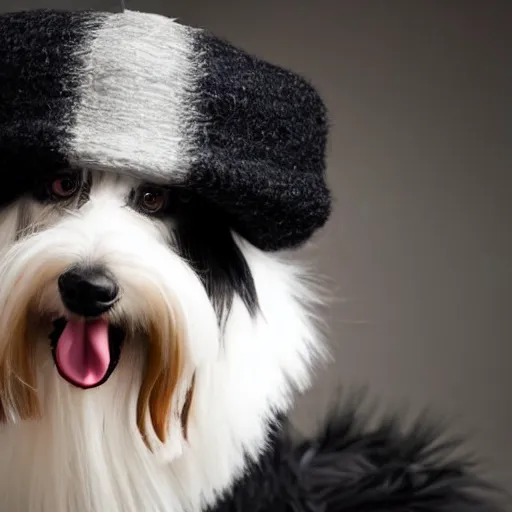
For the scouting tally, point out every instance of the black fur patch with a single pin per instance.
(205, 241)
(40, 75)
(350, 467)
(260, 154)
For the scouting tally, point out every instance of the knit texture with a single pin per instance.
(140, 94)
(261, 153)
(40, 76)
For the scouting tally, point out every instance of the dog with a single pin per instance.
(147, 349)
(155, 326)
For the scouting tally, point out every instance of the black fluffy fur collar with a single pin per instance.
(352, 467)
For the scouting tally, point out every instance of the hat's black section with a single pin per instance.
(260, 147)
(39, 76)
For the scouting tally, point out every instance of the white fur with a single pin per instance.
(86, 453)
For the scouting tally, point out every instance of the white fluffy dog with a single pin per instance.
(153, 331)
(197, 339)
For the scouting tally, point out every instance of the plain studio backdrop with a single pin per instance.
(418, 252)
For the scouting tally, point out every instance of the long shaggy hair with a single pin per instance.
(209, 339)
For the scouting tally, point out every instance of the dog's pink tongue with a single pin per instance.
(82, 352)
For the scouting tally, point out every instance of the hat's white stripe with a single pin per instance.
(136, 105)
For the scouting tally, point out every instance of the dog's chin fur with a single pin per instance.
(193, 396)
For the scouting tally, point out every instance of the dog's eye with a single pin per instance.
(152, 199)
(64, 186)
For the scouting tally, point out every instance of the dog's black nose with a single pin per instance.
(88, 291)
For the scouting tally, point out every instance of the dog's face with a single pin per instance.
(136, 305)
(108, 262)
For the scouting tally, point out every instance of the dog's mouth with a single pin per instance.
(86, 351)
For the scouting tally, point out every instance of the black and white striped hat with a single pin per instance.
(142, 94)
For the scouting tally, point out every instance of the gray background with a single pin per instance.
(418, 253)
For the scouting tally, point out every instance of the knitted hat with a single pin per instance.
(141, 94)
